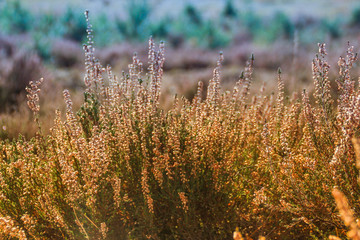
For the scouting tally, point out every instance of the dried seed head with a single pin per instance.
(33, 95)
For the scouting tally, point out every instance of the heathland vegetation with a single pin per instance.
(124, 167)
(44, 40)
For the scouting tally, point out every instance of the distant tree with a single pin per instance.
(229, 10)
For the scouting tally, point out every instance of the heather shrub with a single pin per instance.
(123, 167)
(112, 55)
(66, 53)
(7, 47)
(346, 213)
(24, 67)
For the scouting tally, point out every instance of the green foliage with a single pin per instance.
(355, 16)
(14, 18)
(283, 25)
(191, 25)
(213, 37)
(48, 26)
(136, 23)
(277, 27)
(162, 28)
(107, 28)
(89, 113)
(42, 45)
(229, 10)
(193, 15)
(333, 28)
(252, 22)
(3, 133)
(74, 24)
(207, 34)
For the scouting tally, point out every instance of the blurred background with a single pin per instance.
(41, 38)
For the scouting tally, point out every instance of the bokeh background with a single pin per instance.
(41, 38)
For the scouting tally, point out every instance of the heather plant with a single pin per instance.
(346, 213)
(24, 67)
(122, 167)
